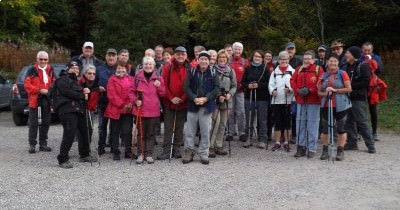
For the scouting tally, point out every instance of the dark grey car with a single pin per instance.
(19, 98)
(5, 92)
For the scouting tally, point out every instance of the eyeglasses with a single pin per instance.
(257, 56)
(43, 59)
(91, 73)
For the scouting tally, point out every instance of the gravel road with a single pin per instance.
(250, 179)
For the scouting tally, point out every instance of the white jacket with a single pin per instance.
(278, 82)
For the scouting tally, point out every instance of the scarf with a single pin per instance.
(44, 73)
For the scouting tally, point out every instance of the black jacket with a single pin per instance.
(359, 74)
(69, 95)
(259, 75)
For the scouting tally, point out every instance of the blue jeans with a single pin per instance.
(307, 123)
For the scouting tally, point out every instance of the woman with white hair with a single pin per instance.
(144, 95)
(282, 95)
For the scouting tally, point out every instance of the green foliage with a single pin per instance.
(137, 25)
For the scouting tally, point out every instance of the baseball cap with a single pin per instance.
(180, 49)
(111, 50)
(290, 45)
(88, 44)
(204, 53)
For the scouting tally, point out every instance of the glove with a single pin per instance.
(304, 91)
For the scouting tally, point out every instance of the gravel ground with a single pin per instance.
(250, 179)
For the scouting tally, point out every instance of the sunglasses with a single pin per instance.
(43, 59)
(91, 73)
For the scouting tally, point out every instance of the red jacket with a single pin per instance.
(174, 82)
(194, 63)
(34, 82)
(93, 96)
(118, 96)
(150, 102)
(239, 64)
(308, 77)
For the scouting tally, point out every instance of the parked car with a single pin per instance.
(19, 97)
(5, 93)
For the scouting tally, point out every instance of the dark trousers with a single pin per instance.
(168, 128)
(357, 122)
(147, 131)
(103, 122)
(72, 122)
(123, 128)
(374, 117)
(44, 127)
(283, 117)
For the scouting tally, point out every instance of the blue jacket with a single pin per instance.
(104, 72)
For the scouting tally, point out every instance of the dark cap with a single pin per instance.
(111, 50)
(204, 53)
(323, 47)
(355, 51)
(290, 45)
(72, 64)
(180, 49)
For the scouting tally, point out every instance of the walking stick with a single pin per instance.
(249, 132)
(140, 97)
(95, 139)
(173, 132)
(306, 133)
(330, 130)
(288, 116)
(134, 137)
(87, 124)
(255, 127)
(39, 110)
(227, 116)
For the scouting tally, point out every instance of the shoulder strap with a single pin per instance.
(263, 72)
(243, 62)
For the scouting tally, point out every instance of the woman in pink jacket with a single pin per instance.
(145, 95)
(119, 111)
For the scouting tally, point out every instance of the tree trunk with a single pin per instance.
(320, 19)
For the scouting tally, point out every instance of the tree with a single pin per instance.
(138, 24)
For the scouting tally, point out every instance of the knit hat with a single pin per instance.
(72, 64)
(355, 52)
(204, 53)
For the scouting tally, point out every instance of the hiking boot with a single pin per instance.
(325, 154)
(310, 154)
(32, 149)
(176, 154)
(66, 165)
(375, 135)
(87, 159)
(101, 151)
(301, 152)
(163, 156)
(350, 147)
(149, 160)
(44, 148)
(286, 147)
(340, 154)
(211, 153)
(247, 144)
(188, 157)
(261, 145)
(139, 160)
(229, 138)
(243, 138)
(371, 149)
(204, 160)
(116, 156)
(276, 147)
(220, 151)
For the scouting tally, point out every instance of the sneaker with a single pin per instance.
(188, 157)
(243, 138)
(276, 147)
(211, 153)
(350, 147)
(324, 154)
(375, 135)
(32, 149)
(229, 138)
(66, 165)
(87, 159)
(139, 160)
(44, 148)
(101, 151)
(176, 154)
(301, 152)
(261, 145)
(247, 144)
(163, 156)
(204, 160)
(220, 151)
(286, 147)
(371, 149)
(116, 156)
(149, 160)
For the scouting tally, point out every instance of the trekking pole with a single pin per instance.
(288, 117)
(227, 116)
(134, 137)
(140, 97)
(249, 132)
(91, 139)
(269, 111)
(306, 132)
(255, 123)
(173, 132)
(39, 110)
(330, 130)
(87, 124)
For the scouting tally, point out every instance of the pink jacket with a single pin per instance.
(150, 102)
(118, 96)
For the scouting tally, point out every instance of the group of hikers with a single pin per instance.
(217, 96)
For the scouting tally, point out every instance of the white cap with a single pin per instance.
(88, 44)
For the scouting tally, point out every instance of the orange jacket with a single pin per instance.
(34, 82)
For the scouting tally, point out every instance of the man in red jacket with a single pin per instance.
(37, 84)
(304, 83)
(175, 102)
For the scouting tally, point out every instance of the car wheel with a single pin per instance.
(20, 119)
